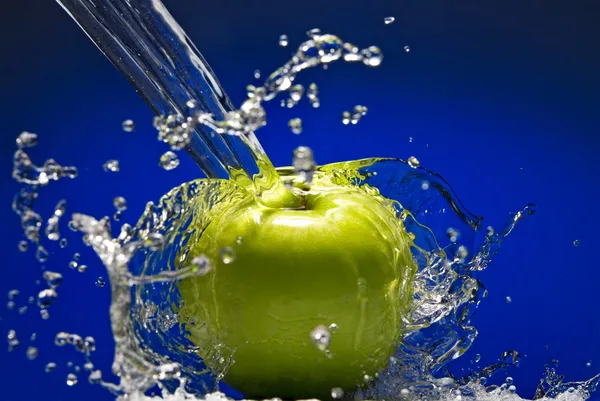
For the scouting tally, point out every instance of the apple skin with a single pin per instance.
(345, 259)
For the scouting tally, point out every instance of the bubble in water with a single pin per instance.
(407, 49)
(100, 282)
(321, 337)
(202, 264)
(82, 268)
(508, 300)
(120, 203)
(256, 74)
(27, 140)
(313, 95)
(71, 379)
(227, 255)
(372, 56)
(169, 160)
(337, 393)
(388, 20)
(283, 40)
(32, 353)
(295, 125)
(53, 279)
(413, 162)
(63, 243)
(112, 166)
(46, 297)
(304, 163)
(128, 125)
(50, 366)
(23, 246)
(576, 242)
(41, 254)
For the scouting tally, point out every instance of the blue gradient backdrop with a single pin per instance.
(501, 98)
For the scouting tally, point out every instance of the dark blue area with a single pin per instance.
(500, 97)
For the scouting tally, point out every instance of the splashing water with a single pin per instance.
(145, 263)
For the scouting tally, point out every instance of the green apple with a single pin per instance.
(343, 259)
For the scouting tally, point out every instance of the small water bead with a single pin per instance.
(100, 282)
(33, 336)
(410, 139)
(508, 300)
(296, 92)
(69, 364)
(509, 380)
(46, 298)
(346, 117)
(88, 366)
(89, 344)
(95, 377)
(452, 234)
(128, 125)
(588, 364)
(413, 162)
(169, 160)
(425, 185)
(82, 268)
(357, 113)
(23, 245)
(61, 339)
(53, 279)
(321, 337)
(27, 140)
(32, 353)
(372, 56)
(202, 264)
(256, 74)
(295, 125)
(313, 95)
(41, 254)
(72, 264)
(239, 240)
(63, 243)
(407, 49)
(71, 379)
(490, 231)
(22, 310)
(50, 366)
(31, 300)
(10, 305)
(337, 393)
(283, 40)
(112, 166)
(154, 241)
(120, 203)
(477, 357)
(44, 314)
(333, 328)
(227, 255)
(12, 294)
(405, 392)
(389, 20)
(512, 388)
(76, 257)
(117, 216)
(576, 243)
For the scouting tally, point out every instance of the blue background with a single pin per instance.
(501, 98)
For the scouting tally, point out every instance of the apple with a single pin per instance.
(281, 277)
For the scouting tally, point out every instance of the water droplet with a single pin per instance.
(346, 117)
(576, 242)
(72, 264)
(227, 255)
(239, 240)
(169, 160)
(89, 344)
(357, 113)
(295, 125)
(337, 393)
(100, 282)
(372, 56)
(410, 139)
(112, 166)
(27, 140)
(490, 231)
(256, 74)
(512, 389)
(120, 203)
(63, 243)
(95, 377)
(23, 245)
(41, 254)
(32, 353)
(283, 40)
(71, 379)
(33, 337)
(425, 185)
(22, 310)
(76, 257)
(388, 20)
(154, 241)
(46, 298)
(413, 162)
(588, 364)
(477, 358)
(12, 294)
(128, 126)
(509, 380)
(452, 234)
(81, 268)
(296, 92)
(61, 338)
(405, 392)
(508, 300)
(50, 366)
(333, 328)
(407, 49)
(44, 314)
(10, 305)
(321, 337)
(53, 279)
(202, 264)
